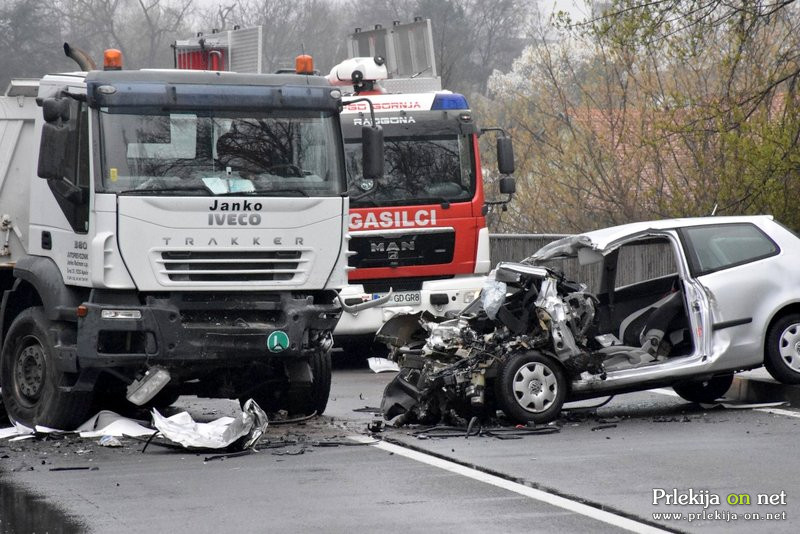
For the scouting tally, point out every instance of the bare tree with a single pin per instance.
(497, 33)
(30, 39)
(141, 29)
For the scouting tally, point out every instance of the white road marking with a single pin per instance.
(778, 411)
(662, 391)
(774, 411)
(532, 493)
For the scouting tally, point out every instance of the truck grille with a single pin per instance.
(234, 266)
(399, 250)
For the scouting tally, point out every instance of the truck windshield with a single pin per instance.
(293, 153)
(424, 164)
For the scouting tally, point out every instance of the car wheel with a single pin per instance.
(31, 380)
(782, 354)
(704, 390)
(531, 387)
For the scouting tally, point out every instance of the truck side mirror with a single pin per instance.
(53, 151)
(505, 155)
(54, 109)
(372, 150)
(55, 139)
(508, 185)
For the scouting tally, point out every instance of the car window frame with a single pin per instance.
(694, 262)
(649, 239)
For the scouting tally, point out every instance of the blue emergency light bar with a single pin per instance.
(449, 101)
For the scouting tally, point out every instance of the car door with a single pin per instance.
(732, 263)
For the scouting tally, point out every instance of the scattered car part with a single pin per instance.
(247, 428)
(147, 387)
(109, 441)
(382, 365)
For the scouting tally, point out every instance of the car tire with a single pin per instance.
(782, 351)
(531, 387)
(31, 379)
(704, 390)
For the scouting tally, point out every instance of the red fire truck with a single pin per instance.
(421, 231)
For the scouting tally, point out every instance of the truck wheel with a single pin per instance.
(321, 388)
(297, 399)
(782, 354)
(531, 387)
(704, 390)
(321, 385)
(309, 398)
(164, 398)
(31, 379)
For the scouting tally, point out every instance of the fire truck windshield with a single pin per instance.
(424, 164)
(220, 153)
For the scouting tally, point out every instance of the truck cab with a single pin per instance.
(421, 231)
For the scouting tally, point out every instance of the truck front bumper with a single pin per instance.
(436, 296)
(184, 328)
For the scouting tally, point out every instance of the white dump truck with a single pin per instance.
(168, 232)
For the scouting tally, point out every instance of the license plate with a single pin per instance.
(402, 298)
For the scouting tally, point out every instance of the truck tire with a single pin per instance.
(704, 390)
(531, 387)
(164, 398)
(314, 397)
(297, 399)
(31, 379)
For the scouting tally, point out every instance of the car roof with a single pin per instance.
(605, 239)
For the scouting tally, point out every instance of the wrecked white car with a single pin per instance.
(684, 303)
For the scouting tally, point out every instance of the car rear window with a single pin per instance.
(721, 246)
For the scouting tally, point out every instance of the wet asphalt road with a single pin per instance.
(612, 459)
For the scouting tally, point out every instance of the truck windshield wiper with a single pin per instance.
(239, 194)
(443, 202)
(278, 192)
(363, 200)
(149, 190)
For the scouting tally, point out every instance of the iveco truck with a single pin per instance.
(170, 231)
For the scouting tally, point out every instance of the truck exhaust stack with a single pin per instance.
(80, 57)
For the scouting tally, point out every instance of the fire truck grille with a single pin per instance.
(238, 266)
(399, 250)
